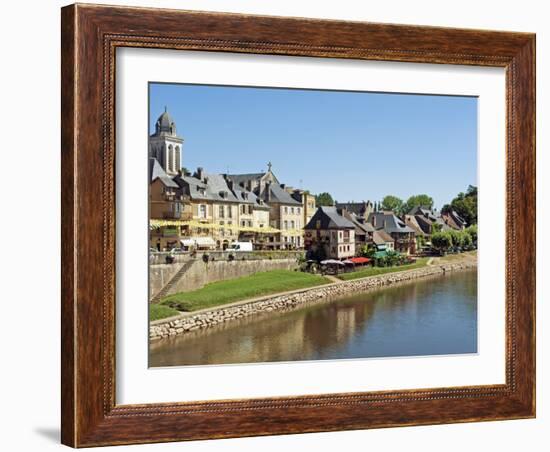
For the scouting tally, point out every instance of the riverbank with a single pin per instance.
(187, 322)
(220, 293)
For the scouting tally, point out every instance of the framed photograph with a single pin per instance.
(281, 225)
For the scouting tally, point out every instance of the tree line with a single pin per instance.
(464, 204)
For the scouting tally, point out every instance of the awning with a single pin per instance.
(332, 262)
(360, 260)
(198, 241)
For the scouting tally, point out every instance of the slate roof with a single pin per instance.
(423, 210)
(248, 197)
(243, 178)
(364, 227)
(389, 222)
(358, 208)
(277, 194)
(156, 171)
(412, 222)
(380, 237)
(329, 218)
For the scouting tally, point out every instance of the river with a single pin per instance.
(431, 316)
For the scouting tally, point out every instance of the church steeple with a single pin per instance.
(165, 145)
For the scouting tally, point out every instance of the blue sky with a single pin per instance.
(356, 146)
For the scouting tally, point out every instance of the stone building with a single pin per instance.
(364, 231)
(306, 199)
(166, 202)
(403, 235)
(361, 209)
(214, 207)
(329, 235)
(285, 212)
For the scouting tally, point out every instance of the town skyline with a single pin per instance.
(349, 127)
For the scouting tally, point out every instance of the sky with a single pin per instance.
(355, 145)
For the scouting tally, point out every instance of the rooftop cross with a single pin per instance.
(269, 165)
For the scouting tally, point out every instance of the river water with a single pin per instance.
(431, 316)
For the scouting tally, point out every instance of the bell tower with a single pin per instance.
(165, 145)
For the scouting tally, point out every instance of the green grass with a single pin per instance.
(375, 271)
(158, 311)
(256, 285)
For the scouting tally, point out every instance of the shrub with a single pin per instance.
(472, 232)
(442, 241)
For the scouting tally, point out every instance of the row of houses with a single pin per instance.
(203, 210)
(340, 231)
(211, 211)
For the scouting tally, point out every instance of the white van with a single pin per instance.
(240, 246)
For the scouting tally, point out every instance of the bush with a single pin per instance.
(442, 241)
(472, 232)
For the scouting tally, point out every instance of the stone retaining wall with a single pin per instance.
(189, 322)
(202, 273)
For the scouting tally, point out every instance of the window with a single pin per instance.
(230, 212)
(222, 211)
(292, 225)
(298, 210)
(202, 211)
(292, 210)
(285, 209)
(285, 225)
(250, 209)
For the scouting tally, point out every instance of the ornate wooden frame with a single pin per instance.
(90, 35)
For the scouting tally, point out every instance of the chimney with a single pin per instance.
(229, 183)
(268, 191)
(200, 173)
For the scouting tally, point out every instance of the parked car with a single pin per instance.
(240, 246)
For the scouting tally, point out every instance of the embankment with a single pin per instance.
(187, 322)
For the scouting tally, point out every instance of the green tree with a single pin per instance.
(393, 203)
(417, 200)
(442, 241)
(324, 199)
(467, 241)
(465, 205)
(367, 251)
(472, 232)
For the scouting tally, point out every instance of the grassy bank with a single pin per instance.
(158, 311)
(259, 284)
(375, 271)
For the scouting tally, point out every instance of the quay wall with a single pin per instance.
(201, 273)
(187, 322)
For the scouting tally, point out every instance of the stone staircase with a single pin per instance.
(166, 289)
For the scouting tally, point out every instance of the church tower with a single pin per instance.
(165, 145)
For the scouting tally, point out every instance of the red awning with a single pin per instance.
(360, 260)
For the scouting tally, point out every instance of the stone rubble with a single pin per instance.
(186, 324)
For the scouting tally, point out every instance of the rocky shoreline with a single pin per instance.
(189, 322)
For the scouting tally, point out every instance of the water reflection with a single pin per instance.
(426, 317)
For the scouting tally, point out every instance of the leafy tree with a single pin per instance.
(442, 241)
(467, 241)
(465, 205)
(456, 238)
(392, 258)
(417, 200)
(393, 203)
(367, 251)
(324, 199)
(472, 232)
